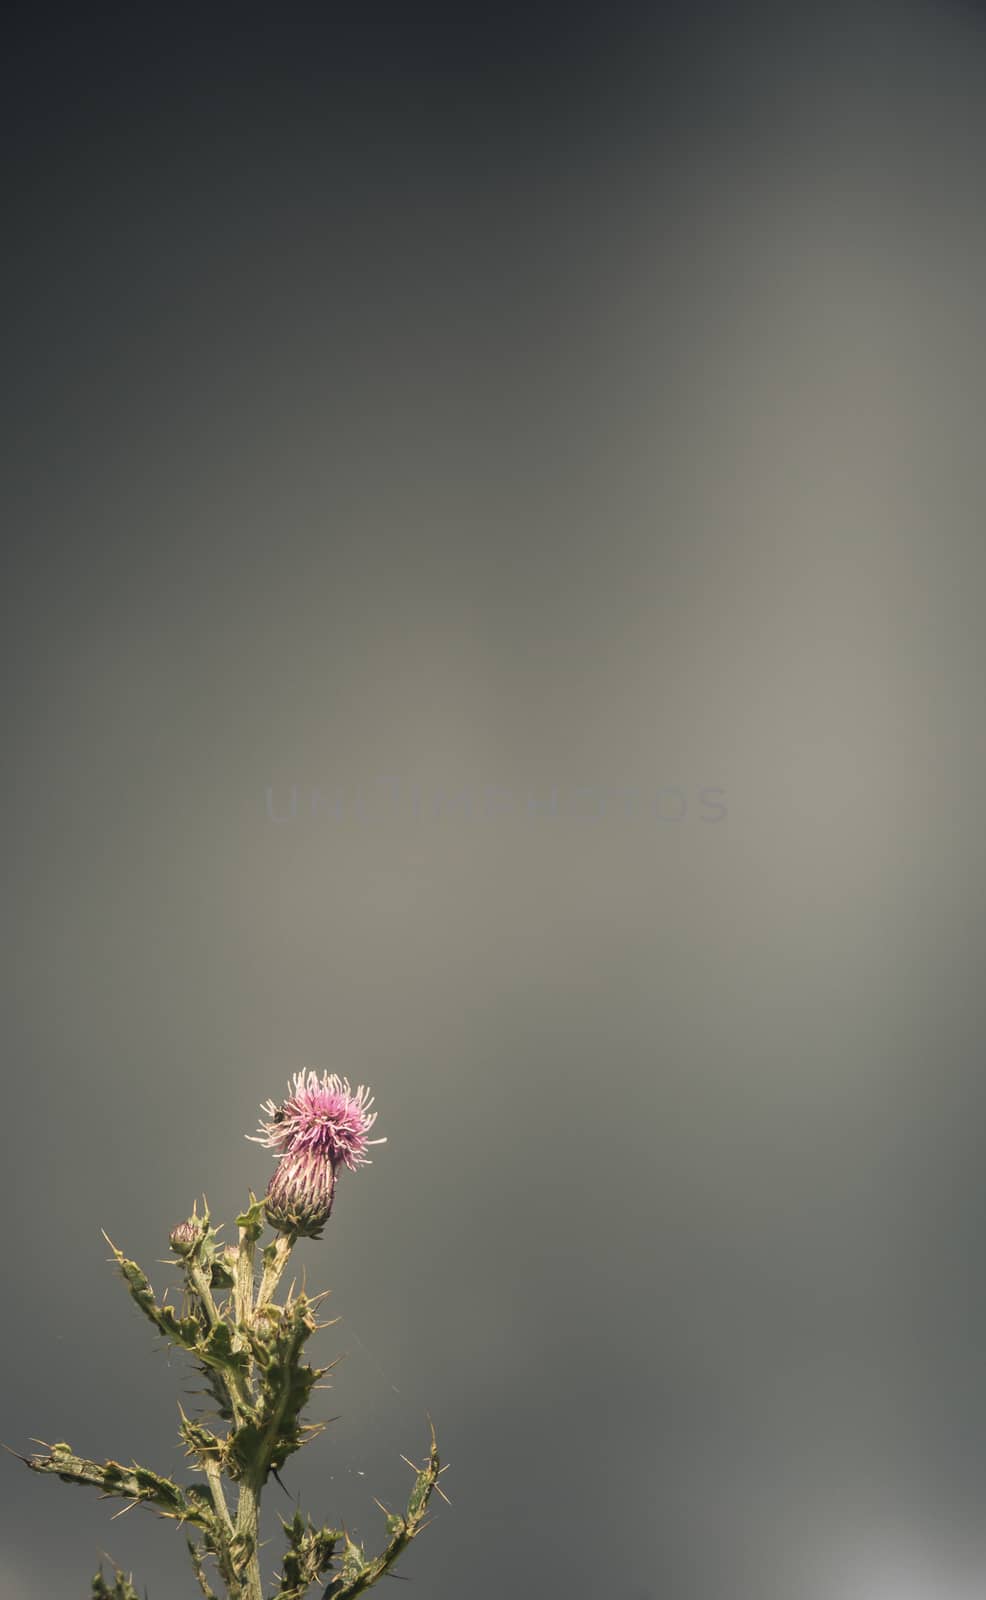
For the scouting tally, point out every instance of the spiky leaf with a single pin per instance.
(357, 1573)
(135, 1483)
(122, 1588)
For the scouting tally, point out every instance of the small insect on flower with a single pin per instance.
(321, 1116)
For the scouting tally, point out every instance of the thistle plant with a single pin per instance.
(249, 1347)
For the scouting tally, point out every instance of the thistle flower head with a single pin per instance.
(321, 1116)
(184, 1237)
(300, 1192)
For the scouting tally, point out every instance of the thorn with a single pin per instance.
(441, 1491)
(125, 1509)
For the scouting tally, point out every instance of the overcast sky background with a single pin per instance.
(438, 450)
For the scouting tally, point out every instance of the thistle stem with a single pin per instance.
(243, 1280)
(248, 1505)
(200, 1284)
(248, 1529)
(274, 1265)
(214, 1476)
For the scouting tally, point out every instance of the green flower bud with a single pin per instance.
(300, 1193)
(185, 1236)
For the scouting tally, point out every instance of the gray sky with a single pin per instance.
(441, 455)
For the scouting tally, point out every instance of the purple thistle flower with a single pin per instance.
(300, 1193)
(323, 1117)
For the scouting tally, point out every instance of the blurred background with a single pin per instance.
(493, 584)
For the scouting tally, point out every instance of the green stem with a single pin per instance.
(248, 1505)
(215, 1479)
(226, 1529)
(274, 1265)
(200, 1284)
(243, 1284)
(248, 1529)
(202, 1287)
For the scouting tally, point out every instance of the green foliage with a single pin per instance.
(251, 1221)
(122, 1589)
(137, 1484)
(250, 1351)
(358, 1571)
(308, 1557)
